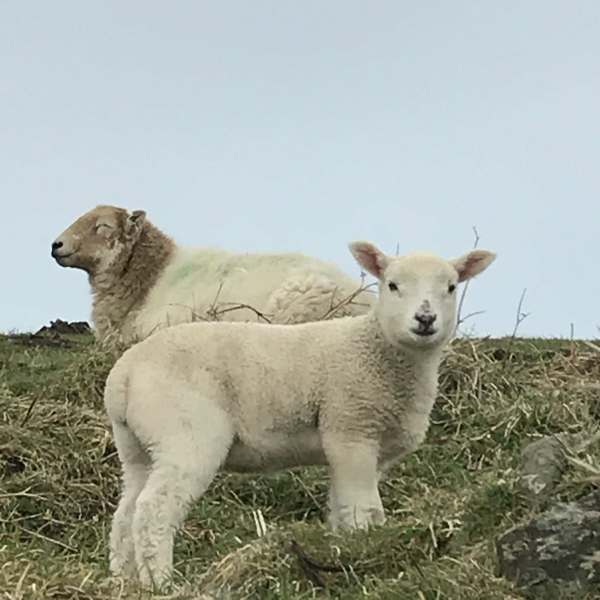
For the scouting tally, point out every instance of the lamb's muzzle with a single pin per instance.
(425, 321)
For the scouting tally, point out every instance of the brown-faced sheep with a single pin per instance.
(142, 280)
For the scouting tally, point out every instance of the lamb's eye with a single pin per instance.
(451, 288)
(393, 287)
(104, 226)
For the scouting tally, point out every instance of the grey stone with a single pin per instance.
(557, 553)
(542, 465)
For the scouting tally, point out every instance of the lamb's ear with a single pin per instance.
(135, 223)
(369, 257)
(472, 263)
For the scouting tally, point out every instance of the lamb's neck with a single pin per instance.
(394, 359)
(118, 294)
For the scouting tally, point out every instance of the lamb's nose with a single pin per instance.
(425, 319)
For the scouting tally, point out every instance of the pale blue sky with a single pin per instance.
(303, 125)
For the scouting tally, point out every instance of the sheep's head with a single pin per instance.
(100, 241)
(417, 292)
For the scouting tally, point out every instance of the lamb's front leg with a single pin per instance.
(332, 502)
(353, 497)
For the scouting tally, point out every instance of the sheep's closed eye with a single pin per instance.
(451, 288)
(393, 287)
(101, 225)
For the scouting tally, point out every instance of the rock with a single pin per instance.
(557, 553)
(60, 326)
(542, 464)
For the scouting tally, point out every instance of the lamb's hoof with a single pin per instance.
(154, 582)
(118, 581)
(358, 517)
(122, 569)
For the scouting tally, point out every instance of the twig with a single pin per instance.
(234, 306)
(214, 312)
(312, 575)
(211, 310)
(345, 301)
(473, 314)
(311, 567)
(520, 317)
(49, 539)
(214, 302)
(460, 320)
(29, 411)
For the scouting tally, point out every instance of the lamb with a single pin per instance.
(353, 394)
(142, 281)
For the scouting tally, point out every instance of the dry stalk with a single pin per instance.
(460, 319)
(214, 311)
(519, 318)
(346, 301)
(239, 306)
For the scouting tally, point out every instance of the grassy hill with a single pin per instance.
(446, 503)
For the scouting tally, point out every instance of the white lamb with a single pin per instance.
(354, 394)
(142, 281)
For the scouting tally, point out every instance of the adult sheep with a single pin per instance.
(353, 393)
(142, 281)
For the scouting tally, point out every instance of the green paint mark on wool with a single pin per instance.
(186, 270)
(212, 265)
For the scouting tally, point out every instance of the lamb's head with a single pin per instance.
(100, 241)
(417, 292)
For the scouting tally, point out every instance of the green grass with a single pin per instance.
(446, 504)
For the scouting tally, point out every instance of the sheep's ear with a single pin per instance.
(472, 263)
(135, 223)
(369, 257)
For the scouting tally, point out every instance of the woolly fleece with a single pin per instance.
(354, 394)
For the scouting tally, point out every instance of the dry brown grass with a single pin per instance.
(446, 503)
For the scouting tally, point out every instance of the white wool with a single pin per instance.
(284, 288)
(353, 394)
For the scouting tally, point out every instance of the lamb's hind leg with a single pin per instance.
(135, 462)
(187, 454)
